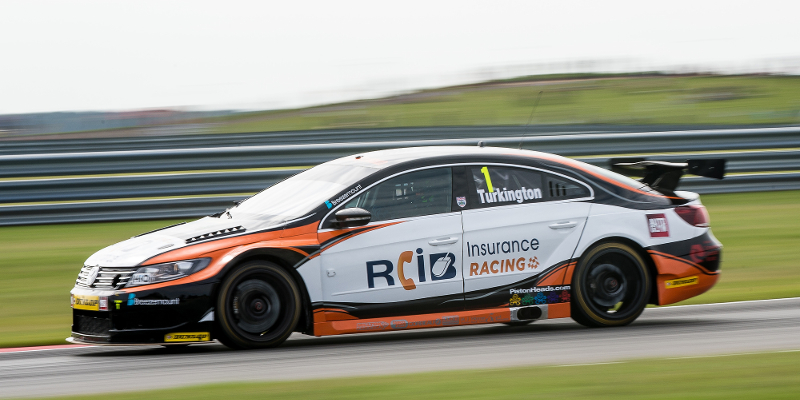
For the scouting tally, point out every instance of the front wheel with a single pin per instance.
(259, 305)
(610, 286)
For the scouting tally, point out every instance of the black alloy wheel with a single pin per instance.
(610, 286)
(259, 305)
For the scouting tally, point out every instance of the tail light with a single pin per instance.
(695, 215)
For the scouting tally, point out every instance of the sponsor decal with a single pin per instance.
(540, 289)
(187, 337)
(540, 295)
(103, 306)
(657, 225)
(441, 266)
(503, 266)
(82, 302)
(117, 303)
(372, 326)
(399, 324)
(505, 247)
(134, 301)
(681, 282)
(331, 203)
(461, 201)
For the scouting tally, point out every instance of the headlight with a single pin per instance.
(166, 272)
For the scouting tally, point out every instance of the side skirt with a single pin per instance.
(322, 327)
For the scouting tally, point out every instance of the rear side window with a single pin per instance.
(413, 194)
(498, 186)
(559, 188)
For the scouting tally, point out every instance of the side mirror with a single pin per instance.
(352, 217)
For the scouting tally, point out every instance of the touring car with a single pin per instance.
(410, 238)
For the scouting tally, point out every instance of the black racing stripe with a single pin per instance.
(410, 307)
(704, 250)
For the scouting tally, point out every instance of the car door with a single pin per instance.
(522, 224)
(407, 260)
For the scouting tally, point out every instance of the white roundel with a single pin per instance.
(92, 275)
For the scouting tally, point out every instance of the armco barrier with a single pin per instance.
(292, 155)
(93, 198)
(45, 144)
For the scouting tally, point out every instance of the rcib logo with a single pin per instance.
(657, 224)
(441, 267)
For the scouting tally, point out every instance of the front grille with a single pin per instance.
(107, 277)
(91, 325)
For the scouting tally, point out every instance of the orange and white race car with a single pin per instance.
(410, 238)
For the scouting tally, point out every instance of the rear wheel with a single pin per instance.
(259, 305)
(610, 286)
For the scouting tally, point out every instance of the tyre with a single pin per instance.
(610, 286)
(258, 306)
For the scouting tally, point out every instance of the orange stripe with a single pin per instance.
(558, 310)
(669, 268)
(222, 251)
(436, 320)
(692, 264)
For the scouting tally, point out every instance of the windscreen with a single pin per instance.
(298, 195)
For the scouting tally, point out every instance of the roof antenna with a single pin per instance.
(530, 119)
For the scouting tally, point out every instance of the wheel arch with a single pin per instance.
(648, 259)
(288, 261)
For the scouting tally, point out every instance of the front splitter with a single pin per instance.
(75, 340)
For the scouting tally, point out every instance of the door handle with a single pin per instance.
(440, 242)
(564, 225)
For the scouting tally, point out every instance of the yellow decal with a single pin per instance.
(187, 337)
(680, 282)
(488, 179)
(81, 302)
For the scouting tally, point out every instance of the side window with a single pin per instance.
(413, 194)
(560, 188)
(499, 186)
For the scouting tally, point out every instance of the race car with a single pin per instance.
(410, 238)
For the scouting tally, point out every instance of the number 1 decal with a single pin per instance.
(488, 179)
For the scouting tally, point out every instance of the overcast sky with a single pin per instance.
(120, 55)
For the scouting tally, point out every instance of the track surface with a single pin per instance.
(660, 332)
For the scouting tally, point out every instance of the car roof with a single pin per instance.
(387, 158)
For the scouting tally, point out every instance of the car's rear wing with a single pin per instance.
(664, 176)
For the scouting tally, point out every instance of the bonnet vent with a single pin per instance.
(216, 234)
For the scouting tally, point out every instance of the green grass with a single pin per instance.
(761, 239)
(752, 376)
(584, 99)
(39, 264)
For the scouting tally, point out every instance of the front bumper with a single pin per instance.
(172, 315)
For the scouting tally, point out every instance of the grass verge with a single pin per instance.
(40, 263)
(587, 99)
(765, 375)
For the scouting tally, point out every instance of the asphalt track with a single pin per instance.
(685, 331)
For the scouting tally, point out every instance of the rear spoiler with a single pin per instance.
(663, 176)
